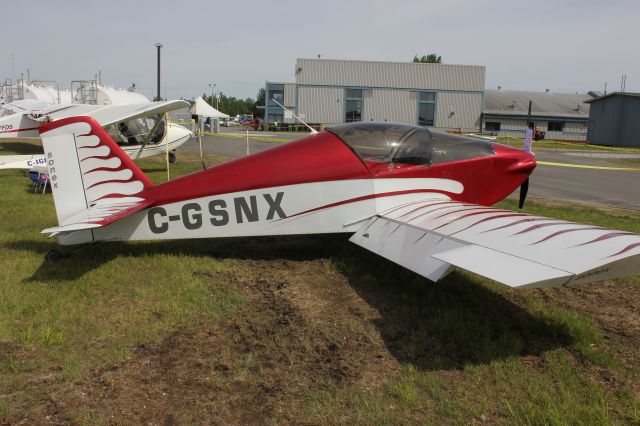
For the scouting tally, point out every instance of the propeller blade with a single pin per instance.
(524, 188)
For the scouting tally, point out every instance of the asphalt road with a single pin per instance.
(233, 143)
(614, 188)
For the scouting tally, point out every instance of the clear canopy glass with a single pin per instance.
(406, 144)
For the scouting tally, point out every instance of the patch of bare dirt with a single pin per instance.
(306, 328)
(297, 333)
(615, 309)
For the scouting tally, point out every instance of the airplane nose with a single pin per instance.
(524, 163)
(519, 161)
(177, 132)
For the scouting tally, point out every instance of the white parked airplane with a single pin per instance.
(139, 129)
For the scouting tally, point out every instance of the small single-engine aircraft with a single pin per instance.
(140, 129)
(412, 195)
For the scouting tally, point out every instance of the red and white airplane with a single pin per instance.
(411, 195)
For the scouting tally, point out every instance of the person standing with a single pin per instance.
(537, 135)
(528, 136)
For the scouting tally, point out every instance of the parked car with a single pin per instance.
(255, 123)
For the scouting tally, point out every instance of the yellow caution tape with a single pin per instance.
(240, 136)
(595, 147)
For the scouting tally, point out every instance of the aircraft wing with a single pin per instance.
(25, 105)
(118, 113)
(110, 114)
(513, 248)
(22, 161)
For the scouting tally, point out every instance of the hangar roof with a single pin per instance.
(614, 94)
(516, 103)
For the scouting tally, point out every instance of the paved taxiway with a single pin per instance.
(614, 188)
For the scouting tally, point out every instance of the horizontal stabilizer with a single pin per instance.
(99, 215)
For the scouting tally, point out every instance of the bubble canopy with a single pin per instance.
(406, 144)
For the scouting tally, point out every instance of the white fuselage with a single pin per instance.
(308, 208)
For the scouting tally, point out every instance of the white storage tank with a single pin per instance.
(47, 94)
(111, 96)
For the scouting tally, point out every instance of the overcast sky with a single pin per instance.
(561, 45)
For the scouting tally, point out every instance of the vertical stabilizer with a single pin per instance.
(93, 181)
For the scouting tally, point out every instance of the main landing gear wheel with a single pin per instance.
(172, 158)
(53, 255)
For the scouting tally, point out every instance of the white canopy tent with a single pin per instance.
(203, 109)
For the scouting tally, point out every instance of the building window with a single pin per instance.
(492, 126)
(426, 108)
(272, 110)
(555, 126)
(353, 105)
(275, 91)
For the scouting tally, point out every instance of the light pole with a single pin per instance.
(212, 86)
(159, 46)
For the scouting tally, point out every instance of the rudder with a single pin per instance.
(88, 169)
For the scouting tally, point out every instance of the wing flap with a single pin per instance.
(406, 246)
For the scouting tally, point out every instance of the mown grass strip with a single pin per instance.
(465, 350)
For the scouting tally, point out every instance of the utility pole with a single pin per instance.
(159, 46)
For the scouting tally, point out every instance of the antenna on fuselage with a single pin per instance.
(313, 131)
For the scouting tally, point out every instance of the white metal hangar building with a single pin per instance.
(328, 91)
(562, 116)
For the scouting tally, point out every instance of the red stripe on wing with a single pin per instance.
(607, 236)
(487, 219)
(465, 216)
(565, 231)
(626, 249)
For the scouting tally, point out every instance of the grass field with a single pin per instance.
(298, 330)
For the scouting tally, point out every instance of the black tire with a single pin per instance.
(172, 158)
(53, 255)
